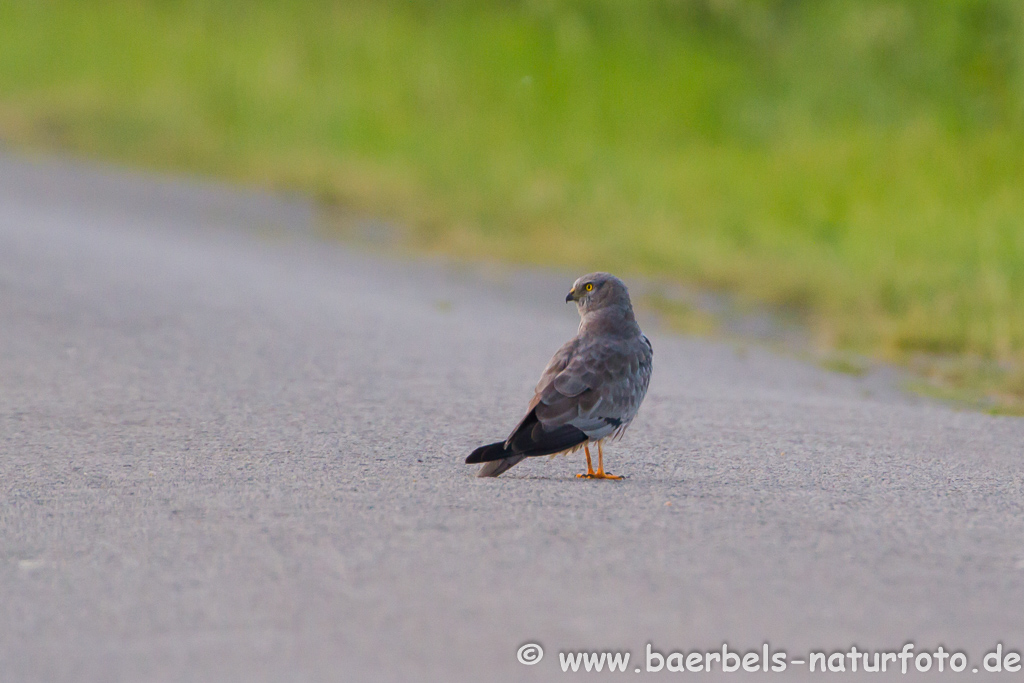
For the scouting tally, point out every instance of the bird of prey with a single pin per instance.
(591, 389)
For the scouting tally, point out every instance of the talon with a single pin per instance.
(598, 475)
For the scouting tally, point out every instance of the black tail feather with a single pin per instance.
(492, 451)
(530, 439)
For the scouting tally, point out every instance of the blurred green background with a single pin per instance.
(856, 165)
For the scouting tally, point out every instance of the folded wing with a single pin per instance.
(590, 389)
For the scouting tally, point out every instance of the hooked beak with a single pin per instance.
(570, 296)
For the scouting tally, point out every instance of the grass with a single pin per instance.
(856, 164)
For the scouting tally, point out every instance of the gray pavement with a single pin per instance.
(232, 451)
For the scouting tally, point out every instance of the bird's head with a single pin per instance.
(598, 290)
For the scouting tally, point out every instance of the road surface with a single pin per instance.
(231, 450)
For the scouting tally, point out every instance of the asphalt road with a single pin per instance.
(232, 451)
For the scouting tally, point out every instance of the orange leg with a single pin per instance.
(590, 466)
(600, 474)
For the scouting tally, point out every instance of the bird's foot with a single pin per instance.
(600, 474)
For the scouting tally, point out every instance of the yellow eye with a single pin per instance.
(589, 287)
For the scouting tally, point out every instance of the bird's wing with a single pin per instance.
(592, 386)
(601, 386)
(530, 437)
(556, 365)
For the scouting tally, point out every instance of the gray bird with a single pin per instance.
(590, 390)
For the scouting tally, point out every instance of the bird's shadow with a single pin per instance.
(573, 477)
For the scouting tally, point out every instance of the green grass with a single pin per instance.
(858, 164)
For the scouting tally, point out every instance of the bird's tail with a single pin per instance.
(497, 458)
(496, 467)
(529, 439)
